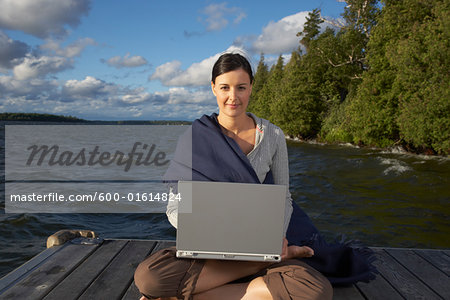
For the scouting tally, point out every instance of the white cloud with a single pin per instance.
(33, 67)
(280, 37)
(92, 98)
(42, 18)
(71, 50)
(167, 71)
(135, 112)
(219, 16)
(10, 51)
(175, 95)
(179, 103)
(89, 87)
(198, 74)
(137, 98)
(179, 95)
(126, 62)
(30, 89)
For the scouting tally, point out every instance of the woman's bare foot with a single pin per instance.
(295, 251)
(299, 251)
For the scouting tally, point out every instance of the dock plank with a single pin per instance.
(114, 281)
(80, 271)
(41, 280)
(436, 257)
(409, 286)
(345, 293)
(132, 292)
(378, 289)
(21, 272)
(426, 272)
(77, 281)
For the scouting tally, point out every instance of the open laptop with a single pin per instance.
(234, 221)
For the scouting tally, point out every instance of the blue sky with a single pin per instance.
(135, 59)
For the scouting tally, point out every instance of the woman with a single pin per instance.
(236, 146)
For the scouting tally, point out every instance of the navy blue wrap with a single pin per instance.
(217, 157)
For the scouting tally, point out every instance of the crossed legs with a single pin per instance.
(163, 275)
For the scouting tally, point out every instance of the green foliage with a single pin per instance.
(310, 28)
(261, 76)
(334, 126)
(361, 15)
(259, 81)
(381, 79)
(298, 110)
(268, 94)
(37, 117)
(338, 60)
(404, 95)
(422, 61)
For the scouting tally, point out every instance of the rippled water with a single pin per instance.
(378, 197)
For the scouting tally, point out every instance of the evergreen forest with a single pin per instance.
(377, 77)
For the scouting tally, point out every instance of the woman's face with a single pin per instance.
(232, 90)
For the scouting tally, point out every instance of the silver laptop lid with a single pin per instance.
(224, 220)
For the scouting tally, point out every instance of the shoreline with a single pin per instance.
(395, 149)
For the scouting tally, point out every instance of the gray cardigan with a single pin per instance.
(269, 153)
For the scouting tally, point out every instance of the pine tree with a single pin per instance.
(334, 63)
(382, 78)
(271, 90)
(260, 79)
(346, 54)
(281, 112)
(361, 15)
(311, 28)
(422, 61)
(403, 97)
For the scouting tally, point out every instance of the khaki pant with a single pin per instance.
(164, 275)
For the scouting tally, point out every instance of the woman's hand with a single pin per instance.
(295, 251)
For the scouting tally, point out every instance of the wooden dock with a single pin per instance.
(86, 268)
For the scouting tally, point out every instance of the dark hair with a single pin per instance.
(229, 62)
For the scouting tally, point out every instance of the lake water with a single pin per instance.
(378, 197)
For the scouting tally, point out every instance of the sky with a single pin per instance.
(136, 59)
